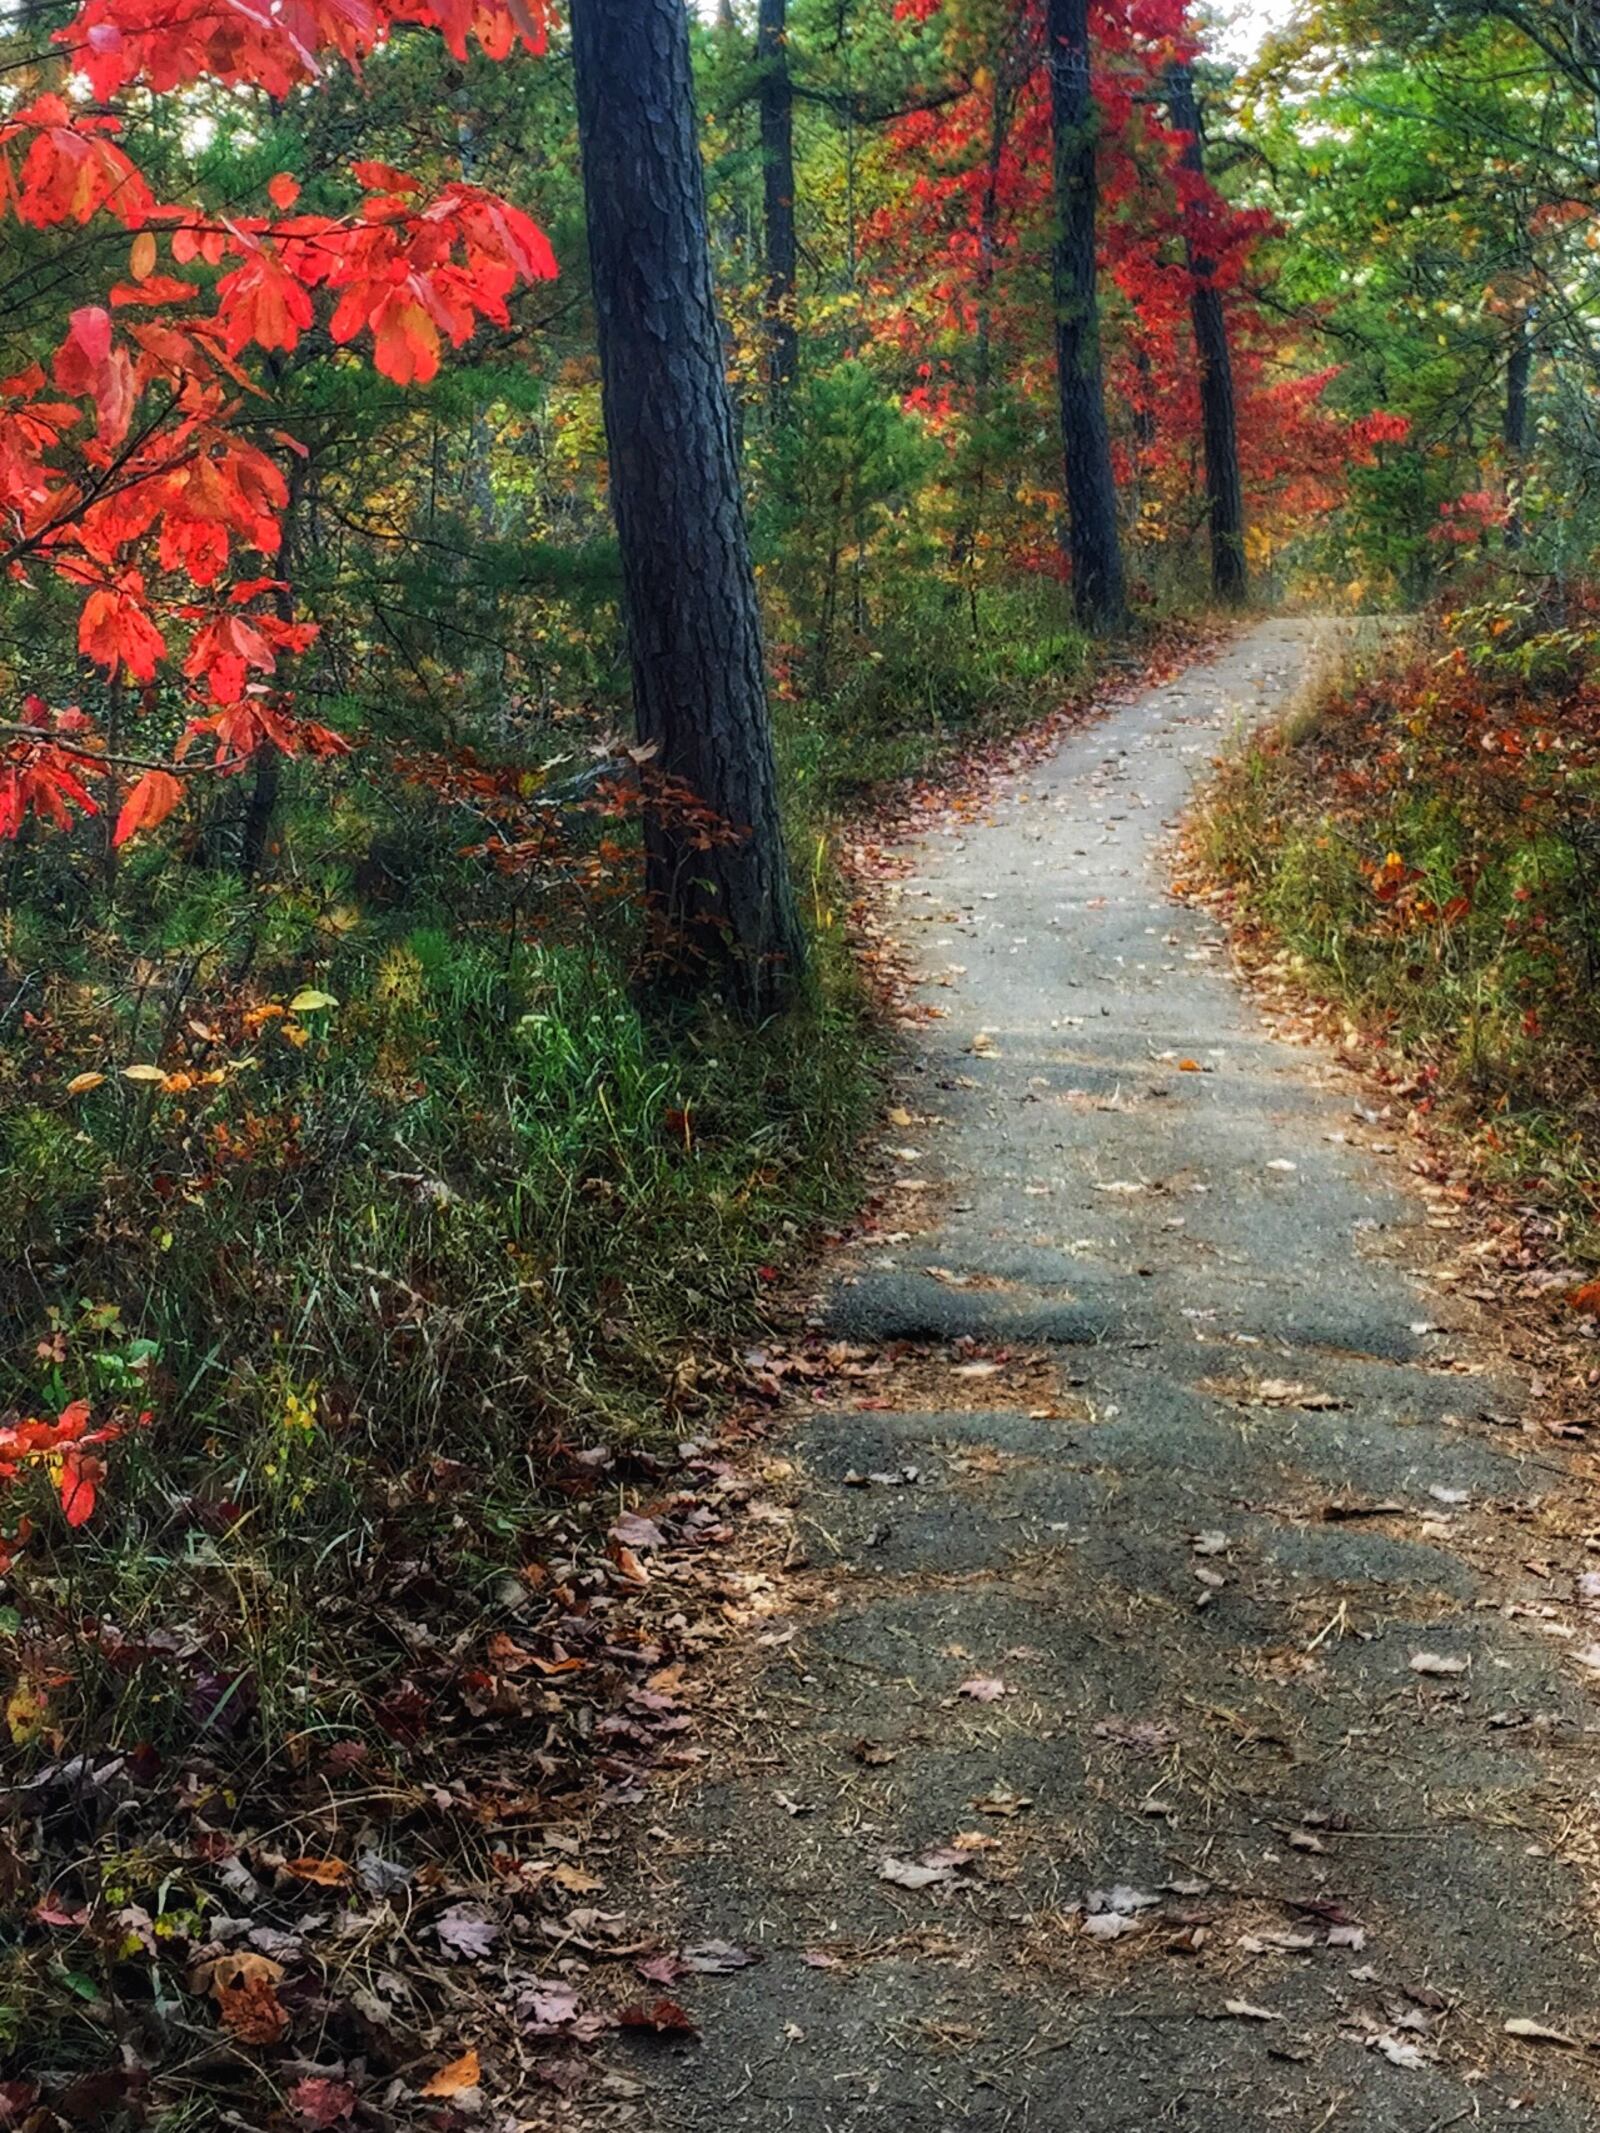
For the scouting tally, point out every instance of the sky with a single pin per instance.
(1247, 22)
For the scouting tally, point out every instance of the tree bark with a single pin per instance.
(775, 101)
(1519, 379)
(725, 916)
(1219, 418)
(1098, 588)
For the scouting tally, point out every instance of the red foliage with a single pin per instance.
(961, 252)
(62, 1448)
(125, 468)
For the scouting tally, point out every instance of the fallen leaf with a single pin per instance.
(245, 1988)
(1246, 2011)
(1399, 2051)
(466, 1932)
(872, 1752)
(1141, 1736)
(1109, 1925)
(662, 2018)
(1539, 2033)
(462, 2073)
(907, 1874)
(632, 1531)
(326, 1873)
(1003, 1803)
(717, 1958)
(322, 2102)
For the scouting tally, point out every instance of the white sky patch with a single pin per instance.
(1239, 28)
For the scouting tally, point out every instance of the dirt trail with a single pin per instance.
(1110, 1625)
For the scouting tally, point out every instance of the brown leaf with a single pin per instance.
(662, 2018)
(245, 1990)
(872, 1752)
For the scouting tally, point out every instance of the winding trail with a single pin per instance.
(1124, 1565)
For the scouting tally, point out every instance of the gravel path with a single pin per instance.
(1100, 1636)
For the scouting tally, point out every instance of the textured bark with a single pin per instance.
(775, 100)
(1519, 380)
(725, 916)
(1219, 418)
(969, 527)
(1094, 547)
(266, 782)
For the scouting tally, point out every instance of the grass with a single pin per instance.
(377, 1164)
(1420, 836)
(406, 1210)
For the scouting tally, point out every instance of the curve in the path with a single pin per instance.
(1145, 1621)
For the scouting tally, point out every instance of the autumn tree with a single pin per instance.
(131, 467)
(775, 102)
(1094, 542)
(1213, 356)
(723, 905)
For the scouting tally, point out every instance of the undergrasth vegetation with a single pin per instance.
(1423, 835)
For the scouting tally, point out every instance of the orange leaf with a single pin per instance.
(151, 801)
(462, 2073)
(327, 1873)
(142, 256)
(283, 191)
(245, 1990)
(1587, 1299)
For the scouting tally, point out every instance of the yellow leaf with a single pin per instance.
(462, 2073)
(304, 1003)
(142, 256)
(26, 1712)
(81, 1084)
(143, 1073)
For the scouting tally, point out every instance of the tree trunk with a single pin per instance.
(1218, 410)
(1519, 378)
(776, 106)
(724, 915)
(266, 777)
(1098, 588)
(969, 526)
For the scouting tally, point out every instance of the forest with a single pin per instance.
(517, 519)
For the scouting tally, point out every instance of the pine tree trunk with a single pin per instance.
(1219, 419)
(725, 917)
(1519, 380)
(775, 102)
(1095, 550)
